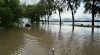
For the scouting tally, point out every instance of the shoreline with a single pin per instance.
(96, 26)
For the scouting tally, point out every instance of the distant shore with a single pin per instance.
(96, 26)
(68, 21)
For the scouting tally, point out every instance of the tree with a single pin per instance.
(59, 7)
(29, 12)
(48, 7)
(10, 12)
(73, 6)
(16, 10)
(6, 17)
(1, 3)
(92, 7)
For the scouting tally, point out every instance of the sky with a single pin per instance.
(29, 1)
(78, 14)
(65, 14)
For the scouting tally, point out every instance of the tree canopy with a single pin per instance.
(10, 11)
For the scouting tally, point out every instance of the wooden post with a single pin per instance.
(52, 51)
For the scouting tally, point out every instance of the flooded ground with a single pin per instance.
(40, 39)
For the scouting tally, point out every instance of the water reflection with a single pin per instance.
(59, 34)
(91, 45)
(41, 38)
(73, 42)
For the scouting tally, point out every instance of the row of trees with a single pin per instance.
(12, 10)
(47, 7)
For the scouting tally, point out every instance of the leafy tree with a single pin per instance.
(59, 7)
(10, 12)
(32, 11)
(6, 17)
(16, 10)
(28, 12)
(92, 6)
(73, 6)
(48, 6)
(1, 3)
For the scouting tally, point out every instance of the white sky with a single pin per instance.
(65, 14)
(79, 14)
(29, 1)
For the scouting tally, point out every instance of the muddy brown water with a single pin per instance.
(40, 39)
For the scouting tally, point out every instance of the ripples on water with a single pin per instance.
(40, 39)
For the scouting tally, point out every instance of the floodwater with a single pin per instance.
(41, 38)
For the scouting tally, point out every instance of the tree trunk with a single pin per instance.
(45, 19)
(92, 32)
(71, 7)
(93, 13)
(31, 20)
(18, 22)
(73, 18)
(42, 21)
(59, 17)
(48, 19)
(72, 28)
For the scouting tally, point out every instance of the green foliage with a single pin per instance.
(10, 12)
(92, 7)
(1, 2)
(44, 7)
(72, 4)
(6, 17)
(88, 7)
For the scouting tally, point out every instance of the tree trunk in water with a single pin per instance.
(31, 20)
(71, 7)
(45, 19)
(93, 13)
(72, 28)
(18, 22)
(60, 18)
(73, 18)
(42, 21)
(48, 19)
(92, 32)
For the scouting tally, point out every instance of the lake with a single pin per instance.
(41, 38)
